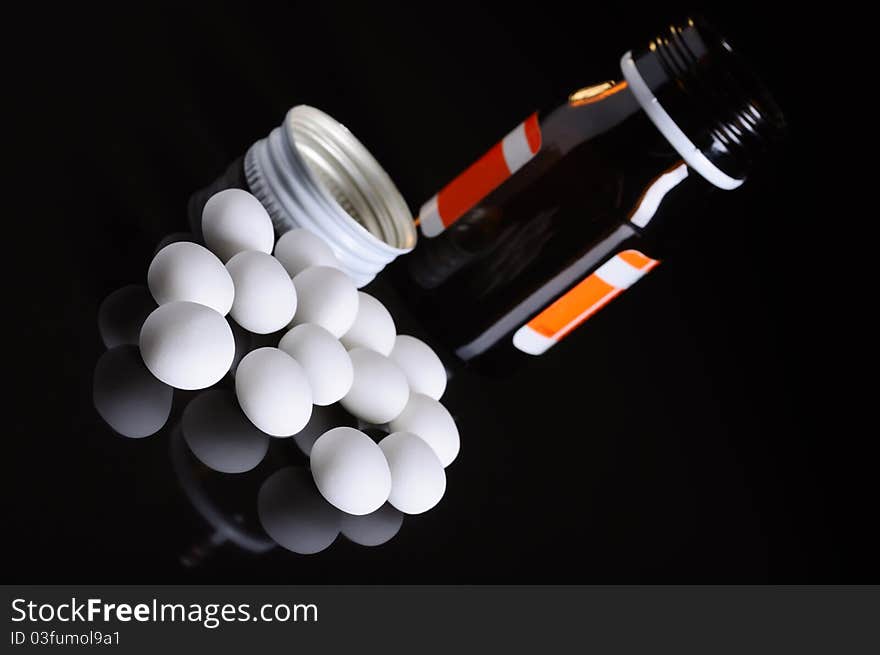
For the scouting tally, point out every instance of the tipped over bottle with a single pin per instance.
(576, 204)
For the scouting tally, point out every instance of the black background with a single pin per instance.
(699, 430)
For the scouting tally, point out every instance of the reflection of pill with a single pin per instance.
(418, 480)
(273, 392)
(373, 327)
(373, 529)
(324, 359)
(327, 297)
(122, 314)
(265, 298)
(187, 271)
(431, 421)
(299, 249)
(350, 471)
(423, 369)
(234, 221)
(128, 396)
(294, 514)
(379, 391)
(219, 434)
(187, 345)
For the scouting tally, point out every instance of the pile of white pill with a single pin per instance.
(340, 346)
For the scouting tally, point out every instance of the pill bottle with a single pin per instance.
(576, 204)
(311, 172)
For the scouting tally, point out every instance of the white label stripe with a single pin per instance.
(619, 273)
(532, 342)
(429, 218)
(515, 147)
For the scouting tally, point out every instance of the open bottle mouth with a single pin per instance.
(351, 176)
(712, 95)
(312, 173)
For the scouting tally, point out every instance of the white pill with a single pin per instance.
(431, 421)
(423, 369)
(379, 391)
(273, 392)
(373, 327)
(188, 271)
(299, 249)
(350, 471)
(219, 435)
(187, 345)
(234, 221)
(418, 480)
(327, 297)
(325, 361)
(265, 298)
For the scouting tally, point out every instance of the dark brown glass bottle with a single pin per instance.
(576, 204)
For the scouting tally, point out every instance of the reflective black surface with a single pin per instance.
(703, 429)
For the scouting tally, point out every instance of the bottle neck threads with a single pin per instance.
(706, 100)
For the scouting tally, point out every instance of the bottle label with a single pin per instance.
(582, 301)
(482, 177)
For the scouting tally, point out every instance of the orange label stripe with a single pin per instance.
(481, 178)
(560, 318)
(474, 184)
(582, 301)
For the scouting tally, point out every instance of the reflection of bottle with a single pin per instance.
(573, 206)
(225, 502)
